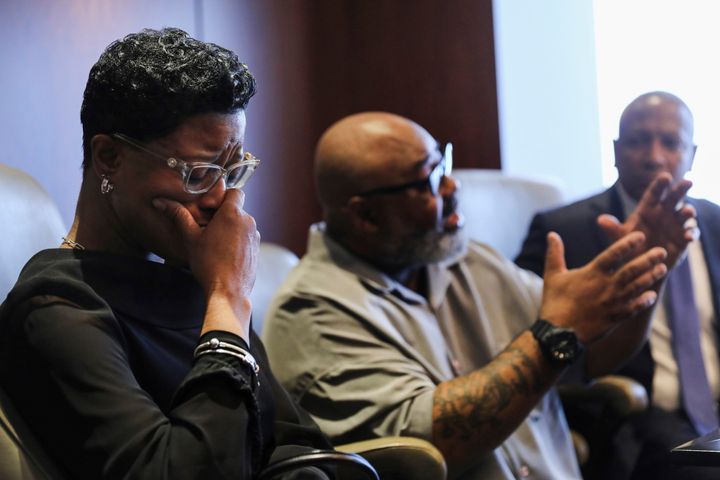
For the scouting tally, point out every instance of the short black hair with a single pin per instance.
(148, 83)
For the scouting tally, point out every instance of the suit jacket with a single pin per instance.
(584, 239)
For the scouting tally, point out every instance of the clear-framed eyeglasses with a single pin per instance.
(200, 177)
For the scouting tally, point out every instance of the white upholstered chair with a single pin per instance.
(274, 264)
(30, 222)
(498, 207)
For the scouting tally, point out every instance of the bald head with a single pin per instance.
(366, 151)
(374, 174)
(653, 104)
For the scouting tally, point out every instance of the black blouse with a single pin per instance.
(96, 351)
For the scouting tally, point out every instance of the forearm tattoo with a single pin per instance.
(479, 399)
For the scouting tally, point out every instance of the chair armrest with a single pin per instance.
(404, 458)
(623, 395)
(581, 447)
(292, 461)
(21, 455)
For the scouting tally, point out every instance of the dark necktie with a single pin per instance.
(697, 399)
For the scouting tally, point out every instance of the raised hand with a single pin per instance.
(223, 257)
(661, 216)
(614, 286)
(223, 253)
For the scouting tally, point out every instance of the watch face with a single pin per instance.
(564, 345)
(559, 345)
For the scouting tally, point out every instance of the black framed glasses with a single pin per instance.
(200, 177)
(432, 182)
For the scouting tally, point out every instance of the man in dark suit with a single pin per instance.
(655, 135)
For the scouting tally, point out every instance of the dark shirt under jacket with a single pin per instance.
(96, 352)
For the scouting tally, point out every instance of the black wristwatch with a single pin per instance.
(559, 345)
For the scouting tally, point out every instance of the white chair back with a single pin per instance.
(498, 207)
(274, 264)
(30, 222)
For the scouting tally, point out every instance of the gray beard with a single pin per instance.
(418, 250)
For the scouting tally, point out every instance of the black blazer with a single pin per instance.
(584, 239)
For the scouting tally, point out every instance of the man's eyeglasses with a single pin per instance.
(432, 182)
(200, 177)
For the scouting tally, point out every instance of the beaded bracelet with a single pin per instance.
(215, 345)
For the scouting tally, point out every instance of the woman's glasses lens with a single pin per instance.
(201, 178)
(239, 175)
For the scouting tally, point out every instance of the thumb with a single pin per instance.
(178, 215)
(611, 226)
(554, 256)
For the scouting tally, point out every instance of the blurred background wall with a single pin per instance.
(507, 82)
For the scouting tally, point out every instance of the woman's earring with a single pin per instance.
(106, 186)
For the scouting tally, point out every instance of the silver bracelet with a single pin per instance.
(216, 346)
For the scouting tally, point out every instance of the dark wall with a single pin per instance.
(315, 61)
(430, 60)
(271, 37)
(46, 50)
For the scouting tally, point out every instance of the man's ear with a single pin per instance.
(363, 214)
(105, 155)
